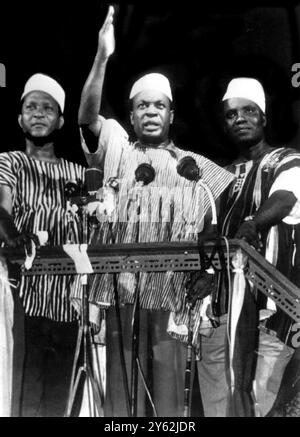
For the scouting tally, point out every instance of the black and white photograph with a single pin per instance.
(150, 211)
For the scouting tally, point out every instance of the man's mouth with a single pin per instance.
(242, 129)
(38, 125)
(151, 125)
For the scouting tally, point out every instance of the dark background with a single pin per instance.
(200, 46)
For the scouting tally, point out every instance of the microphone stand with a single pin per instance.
(188, 168)
(135, 360)
(85, 371)
(144, 175)
(188, 367)
(120, 334)
(135, 349)
(94, 181)
(135, 326)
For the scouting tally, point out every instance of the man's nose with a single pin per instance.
(240, 118)
(39, 112)
(151, 110)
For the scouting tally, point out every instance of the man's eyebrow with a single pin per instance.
(230, 110)
(34, 99)
(248, 105)
(150, 101)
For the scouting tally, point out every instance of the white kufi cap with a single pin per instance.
(247, 88)
(152, 81)
(42, 82)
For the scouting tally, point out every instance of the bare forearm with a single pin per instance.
(272, 212)
(8, 231)
(92, 91)
(275, 209)
(91, 96)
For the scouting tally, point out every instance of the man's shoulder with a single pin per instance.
(283, 151)
(203, 160)
(281, 159)
(183, 152)
(112, 127)
(281, 155)
(12, 154)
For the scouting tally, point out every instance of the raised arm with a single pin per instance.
(92, 91)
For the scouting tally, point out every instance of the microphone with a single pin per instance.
(93, 183)
(93, 180)
(187, 168)
(144, 174)
(72, 192)
(72, 189)
(78, 195)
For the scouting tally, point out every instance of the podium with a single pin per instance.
(162, 257)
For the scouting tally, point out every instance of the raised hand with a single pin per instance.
(106, 40)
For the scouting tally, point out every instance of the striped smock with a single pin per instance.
(171, 208)
(39, 204)
(278, 169)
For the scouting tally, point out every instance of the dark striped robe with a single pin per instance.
(251, 188)
(39, 204)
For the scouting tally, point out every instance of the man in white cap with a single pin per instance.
(262, 208)
(154, 212)
(32, 199)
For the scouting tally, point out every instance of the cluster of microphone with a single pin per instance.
(81, 195)
(187, 168)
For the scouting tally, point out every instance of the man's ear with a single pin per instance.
(131, 117)
(171, 116)
(20, 121)
(264, 118)
(61, 122)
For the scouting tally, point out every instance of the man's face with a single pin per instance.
(151, 116)
(244, 122)
(40, 115)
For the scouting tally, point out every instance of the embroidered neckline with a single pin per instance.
(53, 162)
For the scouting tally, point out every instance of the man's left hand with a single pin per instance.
(198, 286)
(248, 231)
